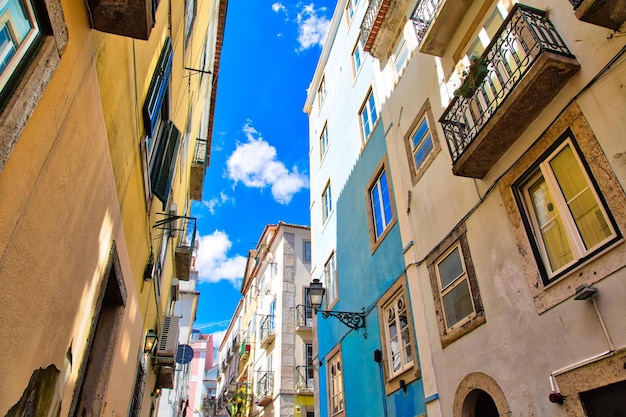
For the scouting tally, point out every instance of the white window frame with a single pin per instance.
(454, 284)
(321, 92)
(400, 55)
(358, 54)
(368, 115)
(573, 236)
(330, 280)
(324, 141)
(406, 363)
(377, 187)
(327, 203)
(336, 385)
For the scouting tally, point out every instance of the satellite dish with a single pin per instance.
(184, 354)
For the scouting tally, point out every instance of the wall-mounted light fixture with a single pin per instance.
(157, 392)
(316, 296)
(584, 292)
(150, 342)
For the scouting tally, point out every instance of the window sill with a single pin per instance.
(450, 335)
(24, 100)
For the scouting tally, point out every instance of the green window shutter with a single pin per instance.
(161, 178)
(158, 89)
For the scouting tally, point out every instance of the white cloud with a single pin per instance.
(254, 164)
(312, 26)
(216, 202)
(213, 262)
(278, 7)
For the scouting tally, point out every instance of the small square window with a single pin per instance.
(368, 115)
(324, 141)
(455, 288)
(562, 207)
(327, 203)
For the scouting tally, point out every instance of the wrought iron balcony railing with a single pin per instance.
(267, 330)
(304, 316)
(201, 151)
(374, 15)
(184, 249)
(524, 37)
(423, 16)
(304, 378)
(265, 387)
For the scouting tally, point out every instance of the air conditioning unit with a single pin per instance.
(168, 340)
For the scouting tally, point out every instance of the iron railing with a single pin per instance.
(265, 384)
(200, 153)
(523, 37)
(187, 229)
(423, 16)
(368, 22)
(267, 326)
(304, 378)
(304, 316)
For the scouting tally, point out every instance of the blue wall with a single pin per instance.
(362, 278)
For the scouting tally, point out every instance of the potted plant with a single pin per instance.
(472, 77)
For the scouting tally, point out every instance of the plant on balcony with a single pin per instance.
(472, 77)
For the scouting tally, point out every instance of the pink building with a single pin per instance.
(202, 375)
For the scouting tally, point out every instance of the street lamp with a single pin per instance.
(350, 319)
(151, 340)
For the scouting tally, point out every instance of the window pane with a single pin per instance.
(422, 152)
(384, 189)
(18, 30)
(376, 210)
(450, 268)
(550, 225)
(584, 207)
(372, 108)
(458, 304)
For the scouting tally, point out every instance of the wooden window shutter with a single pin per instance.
(158, 88)
(161, 177)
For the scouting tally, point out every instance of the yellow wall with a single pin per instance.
(72, 187)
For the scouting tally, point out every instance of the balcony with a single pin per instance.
(267, 331)
(527, 64)
(133, 19)
(304, 318)
(265, 387)
(304, 379)
(184, 249)
(436, 22)
(198, 165)
(606, 13)
(382, 24)
(244, 353)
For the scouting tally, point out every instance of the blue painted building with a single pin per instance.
(358, 256)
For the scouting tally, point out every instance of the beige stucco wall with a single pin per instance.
(522, 341)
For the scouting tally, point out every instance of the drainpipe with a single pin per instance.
(378, 358)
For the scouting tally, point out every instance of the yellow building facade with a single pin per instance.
(106, 113)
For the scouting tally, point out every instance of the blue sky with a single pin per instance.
(259, 163)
